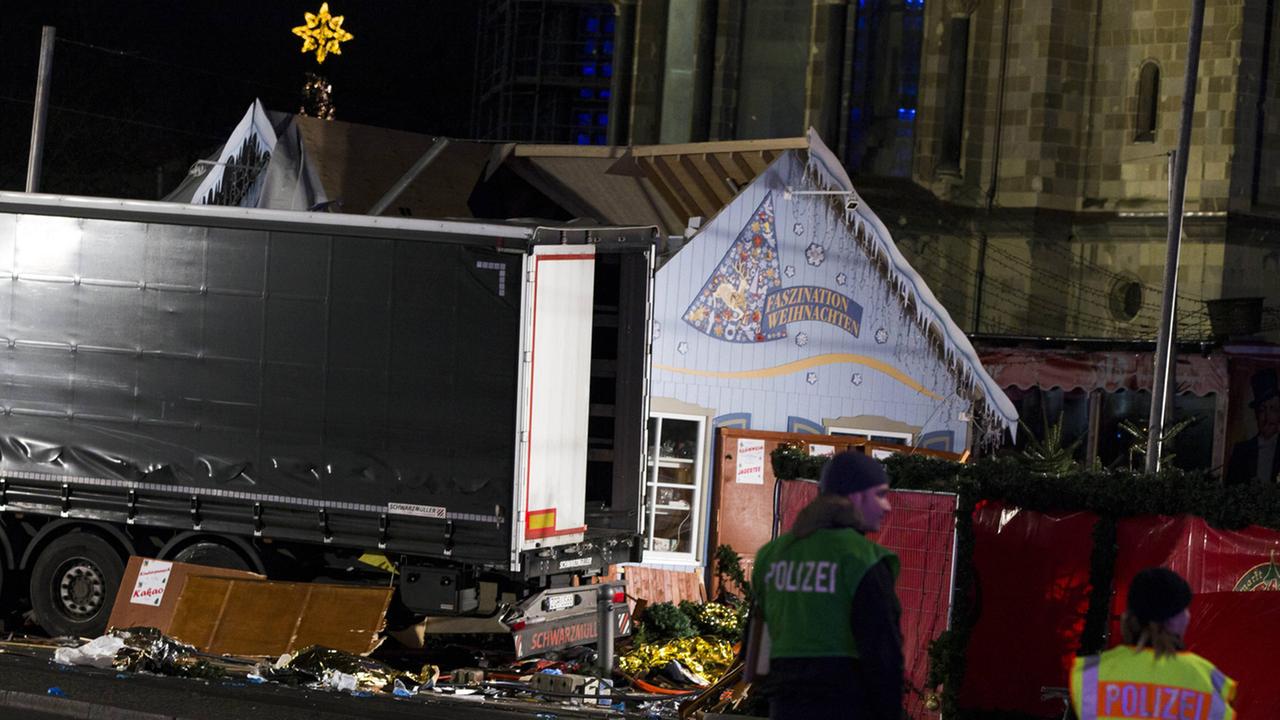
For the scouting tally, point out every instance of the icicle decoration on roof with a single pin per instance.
(927, 332)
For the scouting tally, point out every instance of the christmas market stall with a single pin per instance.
(791, 310)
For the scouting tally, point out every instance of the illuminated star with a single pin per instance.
(322, 33)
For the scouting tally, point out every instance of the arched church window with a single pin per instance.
(1148, 102)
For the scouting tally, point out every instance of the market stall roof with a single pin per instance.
(358, 163)
(1109, 370)
(282, 161)
(663, 184)
(345, 167)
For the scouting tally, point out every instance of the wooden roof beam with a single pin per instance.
(701, 167)
(683, 208)
(756, 161)
(691, 183)
(733, 181)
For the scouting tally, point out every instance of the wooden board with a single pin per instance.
(656, 585)
(242, 613)
(257, 617)
(127, 613)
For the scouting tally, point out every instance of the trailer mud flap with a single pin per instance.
(567, 632)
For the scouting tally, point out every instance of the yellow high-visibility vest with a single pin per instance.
(1125, 682)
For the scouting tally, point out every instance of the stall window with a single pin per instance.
(673, 490)
(884, 437)
(1191, 448)
(1117, 447)
(1040, 409)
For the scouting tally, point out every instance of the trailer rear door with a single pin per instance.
(555, 371)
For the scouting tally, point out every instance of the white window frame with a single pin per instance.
(866, 434)
(653, 461)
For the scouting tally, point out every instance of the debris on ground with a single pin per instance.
(99, 652)
(676, 653)
(689, 661)
(683, 647)
(140, 649)
(347, 672)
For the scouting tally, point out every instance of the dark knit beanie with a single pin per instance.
(851, 472)
(1157, 594)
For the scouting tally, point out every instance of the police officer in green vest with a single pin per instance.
(825, 595)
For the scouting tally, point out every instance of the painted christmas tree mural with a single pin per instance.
(731, 302)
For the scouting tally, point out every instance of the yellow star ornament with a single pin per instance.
(322, 33)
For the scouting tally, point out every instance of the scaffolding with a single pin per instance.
(545, 71)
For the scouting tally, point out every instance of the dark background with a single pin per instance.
(142, 88)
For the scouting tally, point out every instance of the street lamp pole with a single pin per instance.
(40, 114)
(1160, 391)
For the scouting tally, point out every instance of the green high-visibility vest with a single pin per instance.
(805, 588)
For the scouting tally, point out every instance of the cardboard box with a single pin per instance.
(235, 612)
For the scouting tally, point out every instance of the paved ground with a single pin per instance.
(33, 687)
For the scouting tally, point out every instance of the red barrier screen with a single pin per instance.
(1235, 616)
(1032, 596)
(1239, 632)
(792, 497)
(921, 530)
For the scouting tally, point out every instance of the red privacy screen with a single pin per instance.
(921, 530)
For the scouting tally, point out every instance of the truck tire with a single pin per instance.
(211, 554)
(74, 583)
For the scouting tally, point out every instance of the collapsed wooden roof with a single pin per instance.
(659, 184)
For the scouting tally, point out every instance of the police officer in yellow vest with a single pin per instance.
(1150, 676)
(825, 593)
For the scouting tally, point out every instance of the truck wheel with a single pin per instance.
(211, 554)
(74, 583)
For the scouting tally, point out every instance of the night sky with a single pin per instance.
(140, 85)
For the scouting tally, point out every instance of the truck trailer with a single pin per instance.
(286, 392)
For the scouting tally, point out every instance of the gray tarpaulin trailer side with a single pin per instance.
(232, 384)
